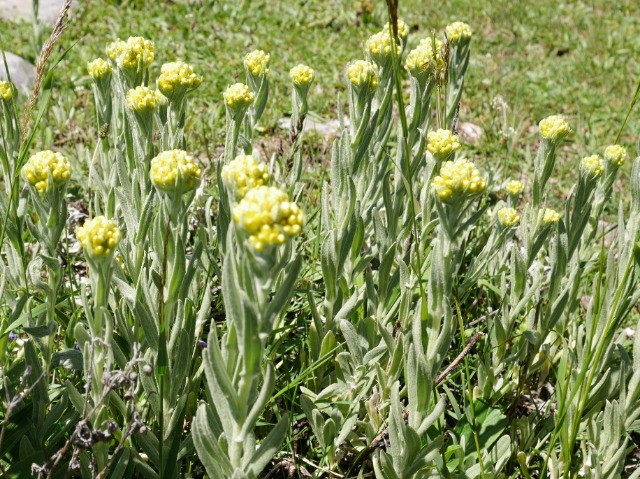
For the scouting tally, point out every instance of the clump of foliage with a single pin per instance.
(405, 315)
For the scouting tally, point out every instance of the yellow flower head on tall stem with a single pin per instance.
(238, 96)
(593, 166)
(177, 78)
(98, 237)
(616, 155)
(442, 143)
(301, 75)
(44, 165)
(362, 73)
(99, 68)
(268, 217)
(426, 58)
(508, 217)
(458, 179)
(458, 31)
(403, 29)
(143, 99)
(175, 170)
(554, 128)
(515, 188)
(135, 52)
(6, 90)
(380, 45)
(257, 62)
(548, 217)
(244, 173)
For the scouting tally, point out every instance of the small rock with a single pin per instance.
(23, 73)
(328, 128)
(14, 10)
(469, 132)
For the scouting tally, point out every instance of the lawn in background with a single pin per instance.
(529, 60)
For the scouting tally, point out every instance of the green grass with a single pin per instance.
(574, 58)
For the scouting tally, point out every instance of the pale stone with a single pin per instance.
(22, 10)
(328, 128)
(23, 73)
(469, 132)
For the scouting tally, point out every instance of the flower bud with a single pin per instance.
(98, 237)
(616, 155)
(458, 179)
(129, 55)
(44, 165)
(257, 63)
(143, 100)
(458, 32)
(508, 217)
(267, 216)
(515, 188)
(238, 97)
(6, 91)
(592, 166)
(177, 78)
(548, 217)
(554, 128)
(362, 74)
(243, 174)
(174, 170)
(99, 69)
(302, 75)
(442, 144)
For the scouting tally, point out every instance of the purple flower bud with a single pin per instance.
(77, 347)
(12, 337)
(202, 344)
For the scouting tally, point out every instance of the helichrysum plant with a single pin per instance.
(406, 313)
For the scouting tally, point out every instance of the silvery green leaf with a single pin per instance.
(269, 446)
(68, 358)
(220, 385)
(214, 459)
(260, 402)
(41, 331)
(354, 341)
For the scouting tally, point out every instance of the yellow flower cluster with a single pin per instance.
(458, 31)
(362, 73)
(257, 62)
(98, 237)
(425, 58)
(403, 29)
(508, 217)
(548, 217)
(301, 75)
(238, 95)
(133, 52)
(6, 90)
(592, 165)
(379, 46)
(143, 99)
(442, 142)
(458, 178)
(177, 77)
(268, 217)
(515, 188)
(99, 68)
(44, 163)
(244, 173)
(554, 128)
(174, 170)
(616, 155)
